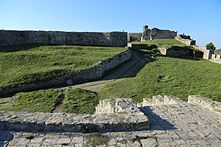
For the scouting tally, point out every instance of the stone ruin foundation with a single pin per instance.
(160, 121)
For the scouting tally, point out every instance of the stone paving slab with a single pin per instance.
(176, 124)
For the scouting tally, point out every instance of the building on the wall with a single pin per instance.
(149, 34)
(134, 37)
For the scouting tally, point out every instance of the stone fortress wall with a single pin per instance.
(209, 55)
(11, 37)
(185, 39)
(149, 34)
(206, 54)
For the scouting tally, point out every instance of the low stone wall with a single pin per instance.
(186, 41)
(11, 38)
(197, 100)
(60, 122)
(177, 52)
(205, 103)
(141, 46)
(119, 105)
(133, 120)
(93, 73)
(134, 37)
(215, 58)
(161, 100)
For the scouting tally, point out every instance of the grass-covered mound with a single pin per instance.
(170, 76)
(80, 101)
(74, 101)
(48, 62)
(36, 101)
(162, 42)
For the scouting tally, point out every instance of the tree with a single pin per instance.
(210, 46)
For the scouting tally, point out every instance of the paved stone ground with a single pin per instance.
(171, 125)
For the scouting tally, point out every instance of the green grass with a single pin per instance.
(75, 101)
(162, 42)
(80, 101)
(170, 76)
(48, 62)
(37, 101)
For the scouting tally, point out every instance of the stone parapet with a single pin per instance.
(117, 106)
(125, 117)
(161, 100)
(13, 37)
(186, 41)
(205, 103)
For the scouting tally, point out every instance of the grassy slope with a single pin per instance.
(80, 101)
(46, 62)
(36, 101)
(170, 76)
(162, 42)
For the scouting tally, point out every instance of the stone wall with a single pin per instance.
(177, 52)
(10, 38)
(141, 46)
(209, 55)
(215, 58)
(205, 103)
(161, 100)
(90, 74)
(59, 122)
(156, 33)
(115, 106)
(162, 34)
(134, 37)
(186, 41)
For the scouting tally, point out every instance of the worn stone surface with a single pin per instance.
(57, 122)
(111, 115)
(205, 102)
(120, 105)
(171, 124)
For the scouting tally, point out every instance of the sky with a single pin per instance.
(199, 18)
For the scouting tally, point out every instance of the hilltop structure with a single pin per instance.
(149, 34)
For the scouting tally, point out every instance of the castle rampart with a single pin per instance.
(11, 37)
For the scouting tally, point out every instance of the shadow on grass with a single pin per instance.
(16, 48)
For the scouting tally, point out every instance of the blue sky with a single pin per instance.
(199, 18)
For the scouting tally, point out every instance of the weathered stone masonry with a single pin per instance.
(171, 122)
(128, 117)
(10, 38)
(93, 73)
(149, 34)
